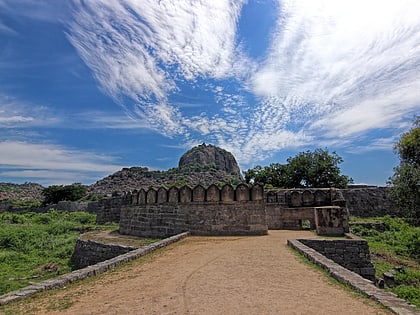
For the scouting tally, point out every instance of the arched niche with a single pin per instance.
(257, 192)
(321, 197)
(173, 194)
(295, 199)
(151, 196)
(242, 192)
(185, 194)
(308, 198)
(135, 197)
(199, 193)
(162, 195)
(142, 197)
(227, 193)
(213, 193)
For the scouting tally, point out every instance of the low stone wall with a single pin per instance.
(93, 270)
(343, 275)
(351, 254)
(66, 206)
(88, 252)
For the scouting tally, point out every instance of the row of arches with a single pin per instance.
(303, 197)
(185, 194)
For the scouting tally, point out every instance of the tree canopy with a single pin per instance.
(307, 169)
(56, 193)
(405, 182)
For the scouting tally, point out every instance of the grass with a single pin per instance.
(38, 246)
(63, 298)
(396, 248)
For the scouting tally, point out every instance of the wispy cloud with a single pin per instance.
(334, 70)
(49, 163)
(347, 66)
(139, 50)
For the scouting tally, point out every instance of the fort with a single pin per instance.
(243, 210)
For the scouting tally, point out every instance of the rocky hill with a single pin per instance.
(204, 164)
(23, 192)
(210, 156)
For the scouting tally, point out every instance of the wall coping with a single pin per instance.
(343, 275)
(89, 271)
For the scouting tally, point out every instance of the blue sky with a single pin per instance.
(88, 87)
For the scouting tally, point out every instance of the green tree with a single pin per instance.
(405, 183)
(56, 193)
(308, 169)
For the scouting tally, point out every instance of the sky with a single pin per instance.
(88, 87)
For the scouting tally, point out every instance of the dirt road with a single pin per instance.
(212, 275)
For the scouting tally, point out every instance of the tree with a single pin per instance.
(56, 193)
(405, 183)
(308, 169)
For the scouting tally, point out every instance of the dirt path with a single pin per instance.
(213, 275)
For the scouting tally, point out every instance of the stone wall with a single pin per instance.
(211, 211)
(226, 211)
(107, 210)
(352, 254)
(87, 253)
(294, 209)
(369, 201)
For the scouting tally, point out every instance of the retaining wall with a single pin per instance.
(351, 254)
(88, 252)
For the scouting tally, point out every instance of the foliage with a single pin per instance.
(308, 169)
(405, 183)
(55, 193)
(398, 248)
(37, 246)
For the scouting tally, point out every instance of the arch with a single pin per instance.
(173, 194)
(151, 196)
(185, 194)
(162, 195)
(135, 197)
(257, 192)
(142, 197)
(321, 198)
(199, 193)
(242, 192)
(227, 193)
(308, 198)
(295, 199)
(213, 193)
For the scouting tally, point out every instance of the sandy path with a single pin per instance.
(215, 275)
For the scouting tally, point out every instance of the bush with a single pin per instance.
(30, 241)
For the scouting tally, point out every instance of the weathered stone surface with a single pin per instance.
(351, 254)
(210, 156)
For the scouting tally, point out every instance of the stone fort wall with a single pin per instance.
(212, 211)
(226, 211)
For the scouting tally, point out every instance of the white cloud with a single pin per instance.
(139, 49)
(334, 71)
(49, 162)
(346, 67)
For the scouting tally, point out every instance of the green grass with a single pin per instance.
(398, 248)
(38, 246)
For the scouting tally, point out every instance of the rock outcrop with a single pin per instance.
(212, 157)
(204, 165)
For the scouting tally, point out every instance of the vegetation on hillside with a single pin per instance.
(405, 183)
(307, 169)
(38, 246)
(55, 193)
(395, 247)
